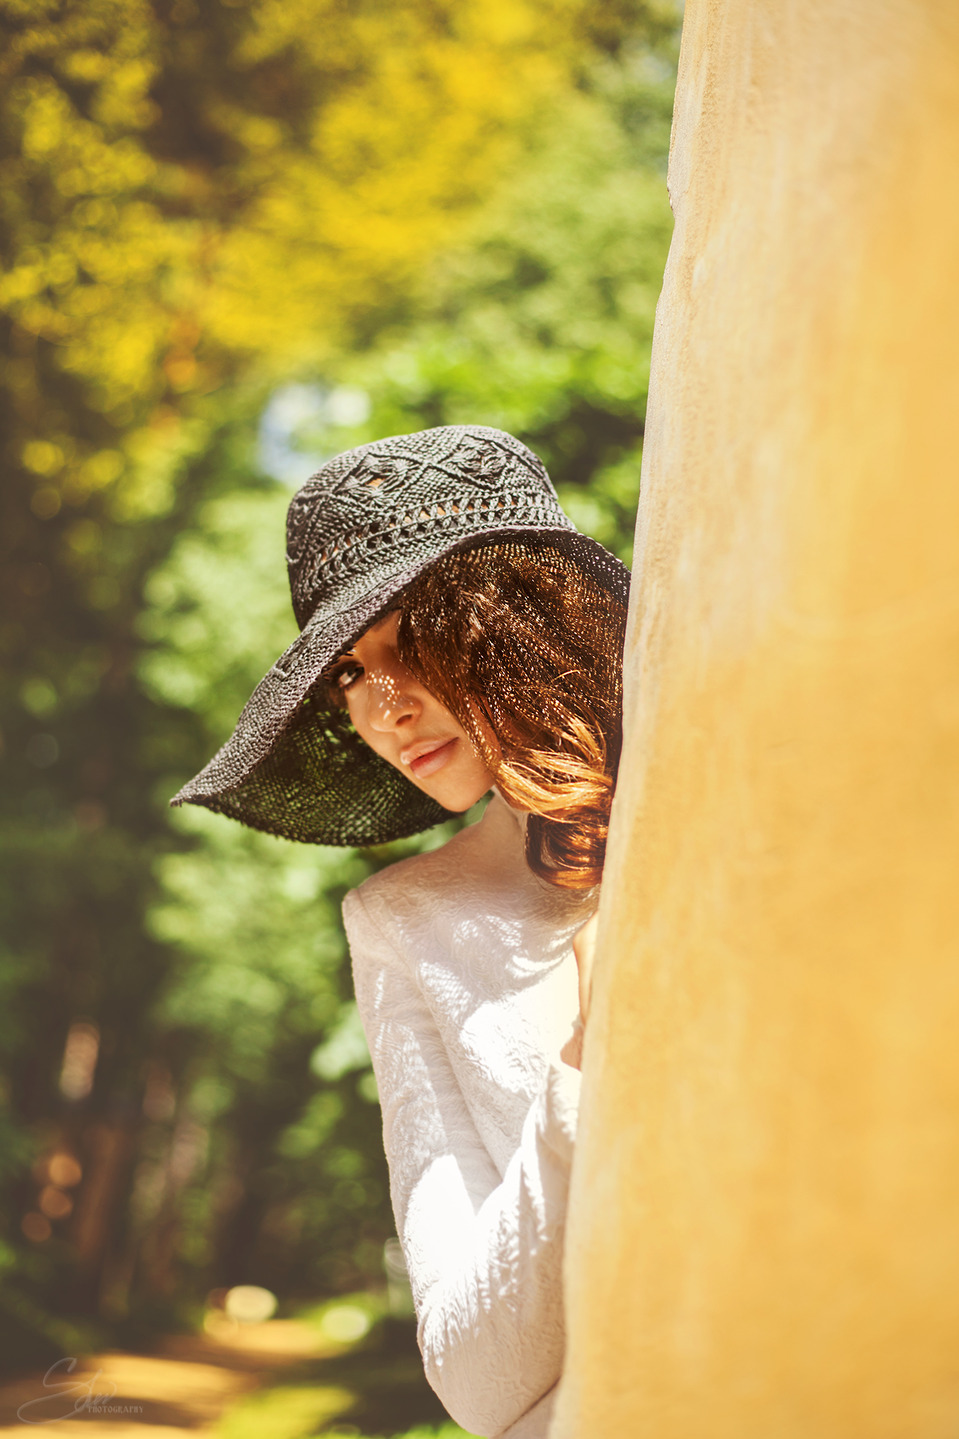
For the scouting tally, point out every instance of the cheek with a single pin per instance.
(476, 764)
(356, 708)
(488, 746)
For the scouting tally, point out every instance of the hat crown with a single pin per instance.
(367, 510)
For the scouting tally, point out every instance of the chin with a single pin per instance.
(460, 801)
(459, 797)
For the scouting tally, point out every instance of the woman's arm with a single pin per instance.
(584, 948)
(484, 1252)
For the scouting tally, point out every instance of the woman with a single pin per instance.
(458, 635)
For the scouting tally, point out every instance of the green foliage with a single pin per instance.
(218, 606)
(293, 1412)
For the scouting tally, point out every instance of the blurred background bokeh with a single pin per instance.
(239, 236)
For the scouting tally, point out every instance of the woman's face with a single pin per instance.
(405, 724)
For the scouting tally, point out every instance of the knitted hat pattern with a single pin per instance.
(358, 533)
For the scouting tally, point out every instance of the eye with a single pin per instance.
(345, 674)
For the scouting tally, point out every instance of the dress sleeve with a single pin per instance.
(484, 1253)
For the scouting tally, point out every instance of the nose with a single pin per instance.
(391, 697)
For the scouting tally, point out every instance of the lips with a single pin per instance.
(427, 756)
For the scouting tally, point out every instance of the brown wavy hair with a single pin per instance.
(526, 651)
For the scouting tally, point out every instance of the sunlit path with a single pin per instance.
(185, 1387)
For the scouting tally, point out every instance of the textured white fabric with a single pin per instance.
(466, 984)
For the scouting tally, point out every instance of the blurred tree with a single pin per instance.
(198, 198)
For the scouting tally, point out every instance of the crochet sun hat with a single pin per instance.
(361, 530)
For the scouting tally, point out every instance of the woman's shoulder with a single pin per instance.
(474, 898)
(474, 860)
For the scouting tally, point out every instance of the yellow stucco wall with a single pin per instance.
(764, 1226)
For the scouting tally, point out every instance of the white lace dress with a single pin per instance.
(467, 988)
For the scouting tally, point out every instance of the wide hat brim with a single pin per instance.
(294, 767)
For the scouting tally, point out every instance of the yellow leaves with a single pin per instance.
(72, 34)
(45, 119)
(78, 155)
(276, 25)
(42, 457)
(124, 101)
(89, 66)
(76, 183)
(100, 470)
(75, 474)
(398, 153)
(22, 10)
(259, 134)
(272, 190)
(504, 24)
